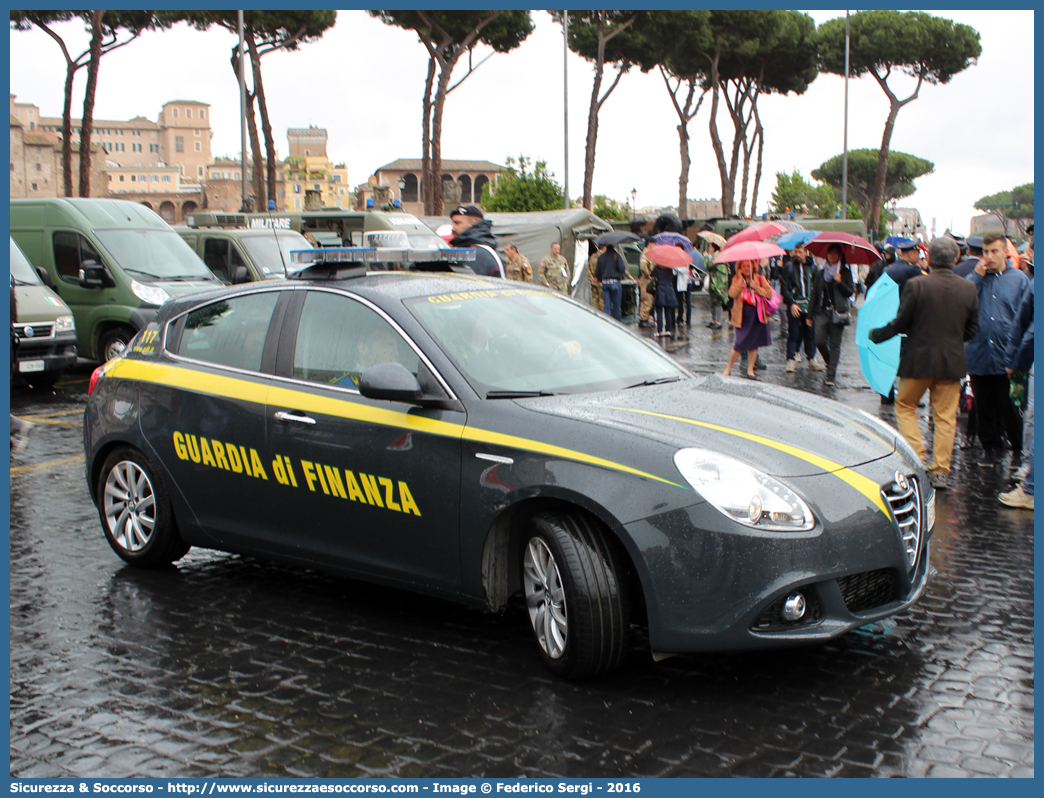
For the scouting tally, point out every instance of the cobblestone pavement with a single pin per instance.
(230, 666)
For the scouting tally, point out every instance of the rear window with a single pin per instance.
(230, 332)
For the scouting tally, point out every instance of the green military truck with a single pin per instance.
(113, 262)
(241, 254)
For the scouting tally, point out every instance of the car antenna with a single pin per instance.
(275, 235)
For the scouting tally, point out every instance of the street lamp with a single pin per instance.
(634, 203)
(402, 186)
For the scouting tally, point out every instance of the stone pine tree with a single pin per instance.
(1015, 205)
(601, 37)
(109, 30)
(265, 32)
(448, 36)
(929, 49)
(903, 170)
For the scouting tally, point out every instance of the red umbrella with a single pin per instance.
(856, 249)
(757, 232)
(669, 257)
(748, 250)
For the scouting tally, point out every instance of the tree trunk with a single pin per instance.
(719, 150)
(683, 177)
(255, 147)
(759, 132)
(67, 181)
(877, 193)
(266, 123)
(88, 103)
(425, 181)
(435, 193)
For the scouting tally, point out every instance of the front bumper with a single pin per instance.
(53, 354)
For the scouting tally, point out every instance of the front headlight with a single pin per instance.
(742, 493)
(149, 294)
(64, 324)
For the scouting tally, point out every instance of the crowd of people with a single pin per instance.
(965, 316)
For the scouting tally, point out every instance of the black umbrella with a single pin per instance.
(614, 237)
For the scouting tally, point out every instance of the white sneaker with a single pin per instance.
(791, 365)
(1021, 473)
(815, 365)
(1017, 498)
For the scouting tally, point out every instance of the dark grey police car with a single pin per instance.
(474, 439)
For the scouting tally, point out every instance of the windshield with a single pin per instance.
(520, 341)
(22, 272)
(427, 241)
(154, 255)
(270, 251)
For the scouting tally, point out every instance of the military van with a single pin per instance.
(113, 262)
(43, 331)
(237, 254)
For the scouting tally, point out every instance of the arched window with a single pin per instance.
(465, 188)
(480, 183)
(410, 192)
(167, 211)
(187, 208)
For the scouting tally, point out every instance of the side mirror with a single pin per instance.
(92, 275)
(45, 276)
(389, 381)
(241, 275)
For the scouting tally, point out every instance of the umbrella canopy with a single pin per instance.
(713, 238)
(674, 240)
(879, 362)
(748, 250)
(614, 237)
(791, 240)
(856, 249)
(668, 256)
(757, 232)
(896, 241)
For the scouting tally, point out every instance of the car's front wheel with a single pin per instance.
(136, 513)
(577, 604)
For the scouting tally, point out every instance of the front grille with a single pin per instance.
(38, 331)
(771, 618)
(868, 590)
(904, 498)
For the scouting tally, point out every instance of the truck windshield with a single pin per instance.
(22, 272)
(154, 254)
(271, 251)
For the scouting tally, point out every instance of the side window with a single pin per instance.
(230, 332)
(339, 338)
(70, 251)
(215, 255)
(235, 260)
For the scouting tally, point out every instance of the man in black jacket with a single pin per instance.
(472, 229)
(877, 269)
(938, 313)
(795, 285)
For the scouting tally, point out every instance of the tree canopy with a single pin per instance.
(611, 210)
(1015, 204)
(795, 194)
(903, 169)
(930, 49)
(519, 189)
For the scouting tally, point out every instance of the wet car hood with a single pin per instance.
(780, 431)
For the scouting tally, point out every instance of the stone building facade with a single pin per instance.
(471, 177)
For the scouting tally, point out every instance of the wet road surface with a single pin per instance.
(230, 666)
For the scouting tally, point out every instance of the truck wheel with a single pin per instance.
(113, 343)
(135, 511)
(577, 605)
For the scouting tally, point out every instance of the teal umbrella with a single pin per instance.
(879, 362)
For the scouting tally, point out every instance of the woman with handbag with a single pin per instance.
(749, 291)
(830, 309)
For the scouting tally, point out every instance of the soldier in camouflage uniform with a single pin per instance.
(554, 270)
(516, 265)
(646, 267)
(596, 287)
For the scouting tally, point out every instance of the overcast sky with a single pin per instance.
(364, 80)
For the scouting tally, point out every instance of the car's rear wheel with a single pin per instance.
(577, 604)
(136, 513)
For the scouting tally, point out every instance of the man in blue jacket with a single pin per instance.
(1021, 347)
(1002, 290)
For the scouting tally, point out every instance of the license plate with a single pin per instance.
(929, 513)
(30, 365)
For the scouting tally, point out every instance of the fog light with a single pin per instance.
(794, 607)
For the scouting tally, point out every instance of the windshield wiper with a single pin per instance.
(182, 278)
(517, 394)
(657, 381)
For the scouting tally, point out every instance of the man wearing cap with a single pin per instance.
(938, 314)
(878, 267)
(1002, 290)
(907, 267)
(795, 284)
(967, 266)
(473, 230)
(517, 267)
(554, 269)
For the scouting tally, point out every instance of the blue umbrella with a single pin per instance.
(789, 241)
(674, 240)
(879, 362)
(896, 241)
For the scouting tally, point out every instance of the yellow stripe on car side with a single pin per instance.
(259, 393)
(864, 485)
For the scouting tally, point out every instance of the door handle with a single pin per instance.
(287, 415)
